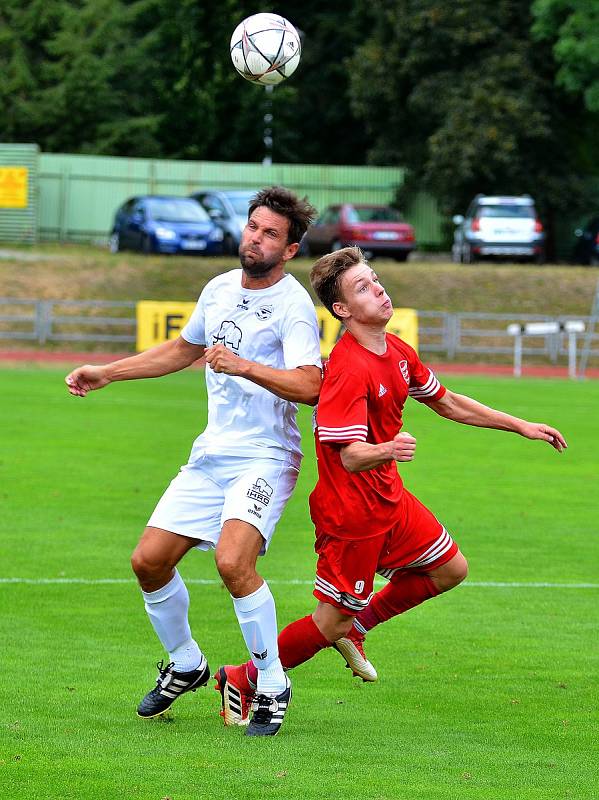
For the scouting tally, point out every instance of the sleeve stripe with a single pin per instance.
(350, 433)
(431, 380)
(430, 388)
(347, 438)
(346, 428)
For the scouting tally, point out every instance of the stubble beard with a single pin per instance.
(257, 269)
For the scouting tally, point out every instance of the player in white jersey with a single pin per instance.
(256, 327)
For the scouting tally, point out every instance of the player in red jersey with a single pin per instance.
(366, 521)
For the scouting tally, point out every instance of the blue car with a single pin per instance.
(163, 224)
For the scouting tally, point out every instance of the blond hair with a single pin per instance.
(326, 274)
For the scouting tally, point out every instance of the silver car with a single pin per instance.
(498, 226)
(228, 208)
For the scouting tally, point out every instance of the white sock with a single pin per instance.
(258, 622)
(167, 609)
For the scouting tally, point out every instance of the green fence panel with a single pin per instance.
(79, 194)
(18, 192)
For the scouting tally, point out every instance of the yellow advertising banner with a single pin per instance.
(14, 187)
(159, 321)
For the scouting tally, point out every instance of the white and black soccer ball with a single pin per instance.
(265, 48)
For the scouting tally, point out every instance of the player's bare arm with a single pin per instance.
(460, 408)
(163, 359)
(362, 456)
(299, 385)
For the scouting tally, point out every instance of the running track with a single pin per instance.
(74, 359)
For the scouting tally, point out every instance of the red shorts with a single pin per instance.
(346, 567)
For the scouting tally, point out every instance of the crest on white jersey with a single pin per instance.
(264, 312)
(403, 366)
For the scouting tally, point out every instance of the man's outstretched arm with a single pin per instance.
(171, 356)
(464, 409)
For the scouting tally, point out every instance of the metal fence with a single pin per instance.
(72, 321)
(449, 336)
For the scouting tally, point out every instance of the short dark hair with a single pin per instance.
(284, 202)
(326, 274)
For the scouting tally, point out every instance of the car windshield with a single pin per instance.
(240, 203)
(507, 211)
(373, 214)
(175, 210)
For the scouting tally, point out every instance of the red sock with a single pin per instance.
(404, 591)
(298, 642)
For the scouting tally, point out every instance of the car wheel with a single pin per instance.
(114, 242)
(594, 261)
(146, 245)
(402, 256)
(468, 256)
(540, 259)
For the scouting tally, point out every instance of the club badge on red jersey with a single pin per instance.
(403, 366)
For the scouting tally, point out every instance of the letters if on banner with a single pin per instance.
(159, 321)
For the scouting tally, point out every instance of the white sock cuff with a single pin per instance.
(252, 601)
(165, 591)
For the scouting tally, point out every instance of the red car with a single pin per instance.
(377, 230)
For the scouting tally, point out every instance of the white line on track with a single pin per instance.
(275, 582)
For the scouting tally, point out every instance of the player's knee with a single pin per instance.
(456, 572)
(145, 567)
(232, 568)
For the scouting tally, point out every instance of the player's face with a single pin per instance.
(364, 299)
(264, 243)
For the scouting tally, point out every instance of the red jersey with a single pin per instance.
(361, 400)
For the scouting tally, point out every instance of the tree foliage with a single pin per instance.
(154, 78)
(573, 28)
(467, 95)
(458, 93)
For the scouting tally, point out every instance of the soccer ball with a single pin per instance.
(265, 48)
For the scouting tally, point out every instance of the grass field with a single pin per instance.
(489, 692)
(78, 272)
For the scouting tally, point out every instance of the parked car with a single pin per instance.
(586, 250)
(378, 230)
(498, 226)
(163, 224)
(229, 209)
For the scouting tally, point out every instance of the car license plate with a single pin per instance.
(193, 244)
(385, 235)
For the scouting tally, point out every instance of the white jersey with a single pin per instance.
(276, 327)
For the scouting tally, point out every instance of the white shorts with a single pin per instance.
(213, 489)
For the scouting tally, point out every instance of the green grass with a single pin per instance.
(488, 692)
(61, 272)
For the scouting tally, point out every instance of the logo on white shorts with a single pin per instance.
(260, 491)
(255, 511)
